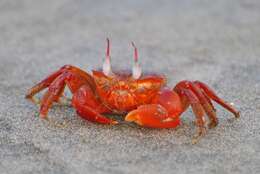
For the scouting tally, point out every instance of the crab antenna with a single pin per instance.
(135, 52)
(108, 49)
(107, 65)
(137, 71)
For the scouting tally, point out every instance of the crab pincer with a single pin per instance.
(163, 112)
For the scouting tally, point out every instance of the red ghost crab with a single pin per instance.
(143, 98)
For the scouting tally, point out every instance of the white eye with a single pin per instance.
(136, 70)
(107, 67)
(107, 70)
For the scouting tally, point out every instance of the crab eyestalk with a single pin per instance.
(136, 71)
(107, 70)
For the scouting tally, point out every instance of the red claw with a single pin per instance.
(153, 116)
(162, 113)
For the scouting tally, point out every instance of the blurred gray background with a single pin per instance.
(217, 42)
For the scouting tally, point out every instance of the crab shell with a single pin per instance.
(123, 93)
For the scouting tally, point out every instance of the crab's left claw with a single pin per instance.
(153, 116)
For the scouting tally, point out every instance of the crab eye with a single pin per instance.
(136, 71)
(107, 70)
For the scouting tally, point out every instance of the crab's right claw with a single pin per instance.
(153, 116)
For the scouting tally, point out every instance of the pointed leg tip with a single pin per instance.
(213, 124)
(34, 100)
(237, 114)
(195, 140)
(201, 133)
(43, 116)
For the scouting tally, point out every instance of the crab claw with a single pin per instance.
(153, 116)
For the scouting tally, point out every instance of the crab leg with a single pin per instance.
(56, 87)
(203, 99)
(51, 95)
(206, 105)
(84, 100)
(88, 107)
(210, 93)
(47, 81)
(82, 86)
(204, 94)
(197, 108)
(42, 85)
(60, 95)
(213, 120)
(70, 75)
(198, 95)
